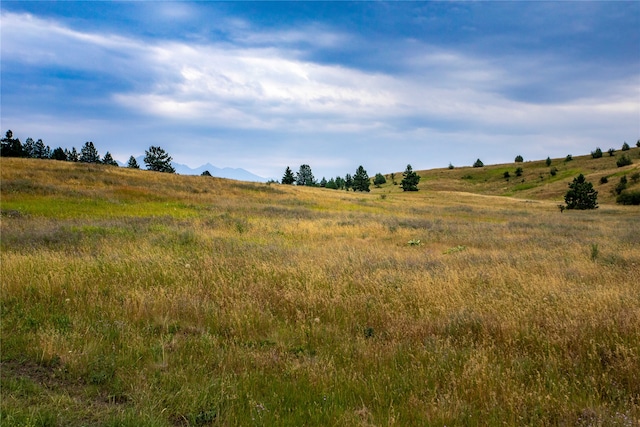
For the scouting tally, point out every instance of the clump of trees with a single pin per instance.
(581, 194)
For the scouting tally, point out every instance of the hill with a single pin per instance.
(536, 182)
(132, 297)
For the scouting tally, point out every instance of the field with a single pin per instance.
(139, 298)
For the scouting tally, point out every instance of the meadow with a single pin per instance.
(147, 299)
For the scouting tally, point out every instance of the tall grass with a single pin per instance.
(137, 298)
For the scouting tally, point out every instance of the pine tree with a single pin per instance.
(348, 182)
(288, 177)
(11, 147)
(379, 180)
(133, 163)
(108, 160)
(361, 180)
(28, 147)
(158, 160)
(89, 154)
(410, 180)
(59, 154)
(305, 176)
(478, 164)
(581, 194)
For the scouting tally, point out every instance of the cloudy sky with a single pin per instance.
(263, 86)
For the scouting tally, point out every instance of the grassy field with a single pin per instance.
(139, 298)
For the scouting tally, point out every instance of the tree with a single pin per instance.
(393, 178)
(28, 147)
(305, 176)
(332, 184)
(339, 183)
(597, 153)
(478, 164)
(108, 160)
(158, 160)
(59, 154)
(451, 165)
(39, 150)
(581, 194)
(611, 151)
(288, 177)
(89, 154)
(133, 163)
(205, 173)
(361, 180)
(548, 161)
(10, 146)
(625, 146)
(73, 155)
(410, 180)
(519, 159)
(624, 160)
(519, 171)
(568, 158)
(323, 182)
(638, 143)
(348, 182)
(379, 180)
(506, 175)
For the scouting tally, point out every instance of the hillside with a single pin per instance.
(140, 298)
(536, 181)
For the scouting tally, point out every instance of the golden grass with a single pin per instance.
(139, 298)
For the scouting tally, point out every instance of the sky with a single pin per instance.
(335, 85)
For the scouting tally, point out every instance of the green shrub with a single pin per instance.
(507, 175)
(625, 146)
(629, 198)
(519, 171)
(622, 185)
(553, 171)
(611, 152)
(624, 161)
(568, 158)
(635, 177)
(597, 153)
(604, 180)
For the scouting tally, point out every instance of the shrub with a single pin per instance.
(597, 153)
(624, 160)
(379, 180)
(519, 159)
(638, 143)
(581, 194)
(519, 171)
(629, 198)
(450, 166)
(625, 146)
(611, 152)
(478, 164)
(553, 171)
(507, 175)
(622, 185)
(568, 158)
(635, 177)
(604, 180)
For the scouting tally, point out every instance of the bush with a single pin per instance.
(519, 171)
(604, 180)
(635, 177)
(625, 146)
(622, 185)
(379, 180)
(624, 160)
(581, 194)
(553, 171)
(597, 153)
(507, 175)
(478, 164)
(629, 198)
(568, 158)
(611, 152)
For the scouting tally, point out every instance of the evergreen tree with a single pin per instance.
(133, 163)
(410, 180)
(519, 159)
(348, 182)
(28, 148)
(305, 176)
(89, 154)
(581, 194)
(39, 150)
(323, 182)
(332, 184)
(339, 183)
(158, 160)
(597, 153)
(379, 180)
(59, 154)
(73, 155)
(548, 161)
(288, 177)
(361, 180)
(625, 146)
(108, 160)
(205, 173)
(478, 164)
(10, 146)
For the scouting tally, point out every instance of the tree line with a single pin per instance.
(156, 159)
(360, 181)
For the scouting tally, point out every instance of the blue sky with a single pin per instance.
(266, 85)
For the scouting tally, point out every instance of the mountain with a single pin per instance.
(231, 173)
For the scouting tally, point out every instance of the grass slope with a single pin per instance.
(536, 181)
(138, 298)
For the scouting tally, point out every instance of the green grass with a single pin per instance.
(162, 300)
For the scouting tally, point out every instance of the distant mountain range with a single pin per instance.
(231, 173)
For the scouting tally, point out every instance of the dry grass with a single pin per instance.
(138, 298)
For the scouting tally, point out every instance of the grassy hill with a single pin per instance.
(138, 298)
(536, 181)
